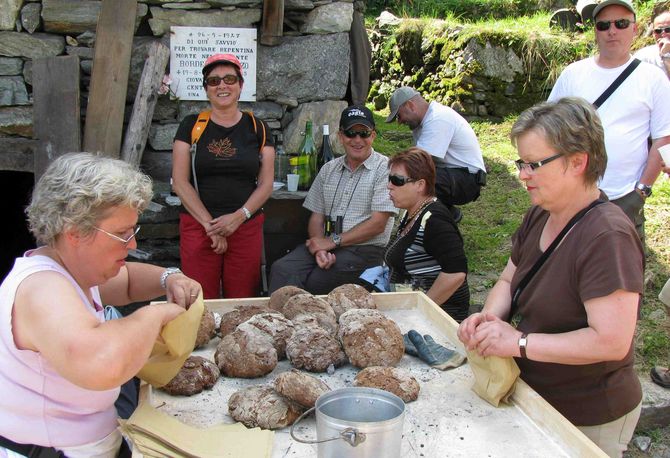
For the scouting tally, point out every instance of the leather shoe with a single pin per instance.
(661, 376)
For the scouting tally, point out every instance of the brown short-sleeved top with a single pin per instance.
(600, 255)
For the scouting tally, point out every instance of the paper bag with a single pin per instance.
(175, 345)
(495, 377)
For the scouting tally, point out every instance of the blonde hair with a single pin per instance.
(570, 125)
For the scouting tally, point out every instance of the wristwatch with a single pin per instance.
(643, 189)
(523, 341)
(169, 271)
(337, 239)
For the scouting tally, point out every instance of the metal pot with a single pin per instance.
(357, 423)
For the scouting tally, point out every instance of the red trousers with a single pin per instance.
(233, 274)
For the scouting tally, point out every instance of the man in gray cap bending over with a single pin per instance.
(448, 137)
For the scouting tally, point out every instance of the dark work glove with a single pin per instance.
(430, 352)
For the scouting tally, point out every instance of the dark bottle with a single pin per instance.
(306, 162)
(326, 153)
(281, 161)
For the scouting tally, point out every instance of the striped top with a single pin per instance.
(433, 245)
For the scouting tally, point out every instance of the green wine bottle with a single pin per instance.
(307, 167)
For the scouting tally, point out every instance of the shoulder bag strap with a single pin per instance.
(616, 83)
(538, 264)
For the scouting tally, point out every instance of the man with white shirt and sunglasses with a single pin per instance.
(635, 111)
(658, 54)
(352, 214)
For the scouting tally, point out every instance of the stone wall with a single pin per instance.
(304, 77)
(479, 73)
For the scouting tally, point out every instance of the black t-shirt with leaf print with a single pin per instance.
(227, 161)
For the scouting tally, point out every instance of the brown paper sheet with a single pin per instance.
(495, 377)
(154, 433)
(175, 345)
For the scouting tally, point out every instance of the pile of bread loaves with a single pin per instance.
(315, 335)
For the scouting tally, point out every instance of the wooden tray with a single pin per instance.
(448, 419)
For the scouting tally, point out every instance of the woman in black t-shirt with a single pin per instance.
(427, 251)
(223, 186)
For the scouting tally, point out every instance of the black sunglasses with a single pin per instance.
(661, 30)
(216, 80)
(619, 24)
(399, 180)
(350, 133)
(532, 166)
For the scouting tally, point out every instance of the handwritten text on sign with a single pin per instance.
(191, 46)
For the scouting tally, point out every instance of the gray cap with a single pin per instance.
(400, 96)
(605, 3)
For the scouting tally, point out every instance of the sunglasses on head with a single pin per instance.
(399, 180)
(351, 133)
(619, 24)
(661, 30)
(216, 80)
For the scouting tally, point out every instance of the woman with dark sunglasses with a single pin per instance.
(427, 252)
(223, 178)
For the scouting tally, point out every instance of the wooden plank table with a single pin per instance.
(448, 419)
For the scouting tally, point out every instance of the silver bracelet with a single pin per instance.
(247, 213)
(169, 271)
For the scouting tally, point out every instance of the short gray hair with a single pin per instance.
(570, 125)
(78, 188)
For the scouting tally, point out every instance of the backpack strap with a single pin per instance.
(262, 137)
(199, 126)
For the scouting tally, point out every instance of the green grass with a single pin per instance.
(489, 223)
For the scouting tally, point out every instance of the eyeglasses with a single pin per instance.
(530, 167)
(120, 239)
(350, 133)
(399, 180)
(216, 80)
(619, 24)
(661, 30)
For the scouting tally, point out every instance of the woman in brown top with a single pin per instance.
(572, 324)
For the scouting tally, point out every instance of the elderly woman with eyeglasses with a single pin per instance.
(222, 170)
(569, 323)
(62, 362)
(427, 251)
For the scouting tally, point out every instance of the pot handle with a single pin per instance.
(350, 435)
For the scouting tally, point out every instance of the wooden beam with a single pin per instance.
(272, 28)
(56, 109)
(109, 80)
(145, 102)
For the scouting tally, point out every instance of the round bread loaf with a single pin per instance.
(313, 348)
(305, 319)
(263, 407)
(230, 320)
(196, 374)
(370, 339)
(300, 387)
(315, 306)
(248, 352)
(274, 325)
(278, 298)
(350, 296)
(206, 330)
(397, 381)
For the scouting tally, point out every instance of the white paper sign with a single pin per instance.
(191, 46)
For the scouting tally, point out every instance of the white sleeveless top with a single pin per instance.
(37, 405)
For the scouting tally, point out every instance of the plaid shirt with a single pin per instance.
(339, 191)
